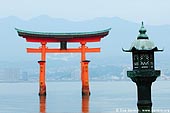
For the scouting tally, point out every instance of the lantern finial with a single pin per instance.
(142, 23)
(142, 31)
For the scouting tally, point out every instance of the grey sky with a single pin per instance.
(150, 11)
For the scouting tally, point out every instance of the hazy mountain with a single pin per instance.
(13, 47)
(122, 34)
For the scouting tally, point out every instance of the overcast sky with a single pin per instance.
(153, 12)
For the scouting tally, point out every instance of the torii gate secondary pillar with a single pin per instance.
(85, 78)
(42, 84)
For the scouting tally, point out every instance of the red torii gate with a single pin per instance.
(63, 38)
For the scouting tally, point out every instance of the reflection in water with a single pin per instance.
(42, 104)
(85, 104)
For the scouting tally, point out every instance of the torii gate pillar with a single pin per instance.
(42, 84)
(84, 71)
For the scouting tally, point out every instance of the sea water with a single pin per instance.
(65, 97)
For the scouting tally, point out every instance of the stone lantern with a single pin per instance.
(143, 73)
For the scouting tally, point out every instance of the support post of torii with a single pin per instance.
(42, 63)
(63, 38)
(84, 70)
(42, 84)
(85, 78)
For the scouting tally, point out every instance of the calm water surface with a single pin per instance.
(66, 97)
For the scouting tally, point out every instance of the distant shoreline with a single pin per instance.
(69, 81)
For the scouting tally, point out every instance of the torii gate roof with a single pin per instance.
(32, 36)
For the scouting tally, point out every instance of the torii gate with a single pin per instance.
(63, 38)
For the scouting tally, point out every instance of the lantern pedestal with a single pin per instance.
(143, 80)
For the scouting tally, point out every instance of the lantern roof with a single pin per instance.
(142, 43)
